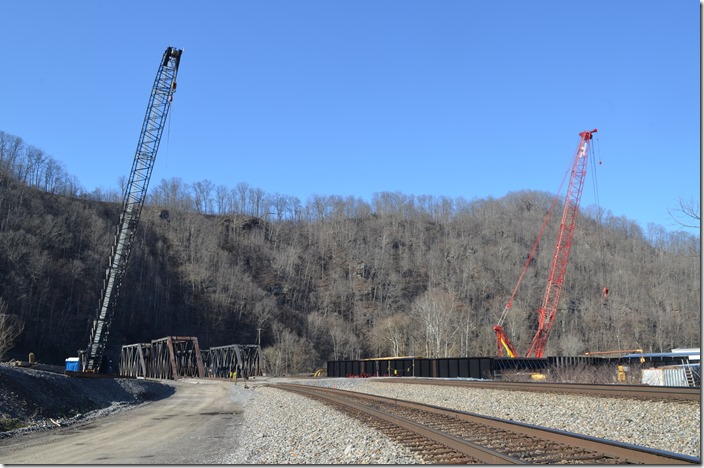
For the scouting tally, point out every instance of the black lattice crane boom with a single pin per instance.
(558, 267)
(133, 201)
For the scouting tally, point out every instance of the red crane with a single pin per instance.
(551, 297)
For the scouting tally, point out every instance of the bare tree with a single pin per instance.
(10, 328)
(53, 172)
(687, 214)
(571, 344)
(241, 192)
(390, 335)
(280, 204)
(172, 193)
(223, 200)
(435, 312)
(122, 183)
(10, 149)
(203, 196)
(290, 353)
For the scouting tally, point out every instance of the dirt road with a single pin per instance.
(194, 426)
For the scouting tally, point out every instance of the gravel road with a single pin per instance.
(214, 422)
(185, 428)
(202, 422)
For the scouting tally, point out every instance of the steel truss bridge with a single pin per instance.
(223, 360)
(175, 357)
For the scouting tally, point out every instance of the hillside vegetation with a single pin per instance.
(332, 278)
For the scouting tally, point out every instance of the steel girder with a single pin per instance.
(134, 359)
(222, 361)
(172, 357)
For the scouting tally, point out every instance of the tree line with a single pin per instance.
(335, 277)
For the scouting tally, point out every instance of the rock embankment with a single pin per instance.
(33, 400)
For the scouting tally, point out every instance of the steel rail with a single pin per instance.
(469, 449)
(519, 439)
(647, 392)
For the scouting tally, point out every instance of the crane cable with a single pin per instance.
(168, 132)
(168, 121)
(602, 244)
(535, 246)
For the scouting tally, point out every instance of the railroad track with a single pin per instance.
(444, 436)
(644, 392)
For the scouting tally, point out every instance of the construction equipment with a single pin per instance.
(556, 277)
(135, 193)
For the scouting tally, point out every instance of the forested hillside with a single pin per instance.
(331, 278)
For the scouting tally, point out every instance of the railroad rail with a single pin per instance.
(643, 392)
(446, 436)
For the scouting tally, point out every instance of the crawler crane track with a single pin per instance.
(446, 436)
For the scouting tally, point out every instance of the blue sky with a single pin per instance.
(457, 98)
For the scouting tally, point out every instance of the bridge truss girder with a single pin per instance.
(175, 357)
(171, 357)
(222, 361)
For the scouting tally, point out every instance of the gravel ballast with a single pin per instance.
(671, 426)
(282, 427)
(277, 427)
(287, 428)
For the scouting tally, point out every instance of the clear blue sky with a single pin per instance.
(456, 98)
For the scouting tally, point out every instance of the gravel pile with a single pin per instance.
(33, 400)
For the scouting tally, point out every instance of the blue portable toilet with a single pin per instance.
(72, 364)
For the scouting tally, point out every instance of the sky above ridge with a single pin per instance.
(468, 99)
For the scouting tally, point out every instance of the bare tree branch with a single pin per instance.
(10, 328)
(687, 215)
